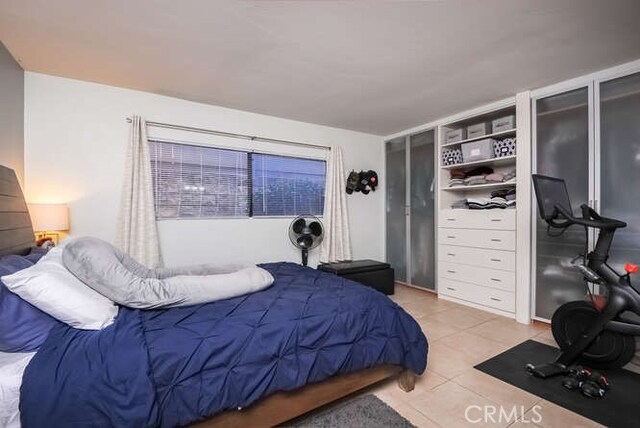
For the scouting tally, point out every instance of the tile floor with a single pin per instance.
(459, 338)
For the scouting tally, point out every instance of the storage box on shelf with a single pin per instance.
(455, 135)
(478, 130)
(477, 248)
(503, 123)
(505, 147)
(478, 150)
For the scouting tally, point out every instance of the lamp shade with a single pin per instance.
(49, 217)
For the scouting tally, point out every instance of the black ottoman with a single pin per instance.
(368, 272)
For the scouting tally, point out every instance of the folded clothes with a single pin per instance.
(480, 170)
(509, 175)
(500, 193)
(475, 180)
(461, 204)
(483, 203)
(488, 203)
(496, 177)
(457, 173)
(456, 182)
(487, 206)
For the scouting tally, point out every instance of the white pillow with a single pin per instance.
(50, 287)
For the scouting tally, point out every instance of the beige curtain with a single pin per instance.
(137, 233)
(336, 245)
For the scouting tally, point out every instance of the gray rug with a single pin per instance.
(366, 411)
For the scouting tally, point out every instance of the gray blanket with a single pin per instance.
(115, 275)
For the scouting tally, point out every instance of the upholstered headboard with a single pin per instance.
(16, 232)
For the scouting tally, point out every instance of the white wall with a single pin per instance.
(75, 138)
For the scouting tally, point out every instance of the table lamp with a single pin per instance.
(49, 220)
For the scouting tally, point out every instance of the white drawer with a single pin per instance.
(478, 219)
(495, 259)
(492, 278)
(498, 299)
(492, 239)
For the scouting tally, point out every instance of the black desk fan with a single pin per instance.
(306, 233)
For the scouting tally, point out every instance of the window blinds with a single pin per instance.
(203, 182)
(199, 182)
(287, 186)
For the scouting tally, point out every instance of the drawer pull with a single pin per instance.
(451, 237)
(496, 279)
(451, 271)
(496, 219)
(496, 240)
(495, 299)
(496, 260)
(451, 254)
(451, 219)
(450, 288)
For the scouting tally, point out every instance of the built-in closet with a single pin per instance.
(410, 199)
(477, 245)
(586, 130)
(588, 134)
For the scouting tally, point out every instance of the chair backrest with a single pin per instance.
(550, 192)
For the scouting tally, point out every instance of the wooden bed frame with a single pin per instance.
(284, 406)
(16, 237)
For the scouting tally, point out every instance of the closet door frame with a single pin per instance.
(434, 183)
(385, 201)
(407, 206)
(592, 82)
(535, 96)
(608, 75)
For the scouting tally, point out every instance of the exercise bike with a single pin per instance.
(592, 332)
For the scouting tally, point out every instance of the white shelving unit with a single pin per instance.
(477, 248)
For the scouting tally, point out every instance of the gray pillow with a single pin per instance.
(117, 276)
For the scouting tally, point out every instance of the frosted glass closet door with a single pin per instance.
(620, 164)
(396, 179)
(422, 224)
(562, 150)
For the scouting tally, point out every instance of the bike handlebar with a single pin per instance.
(590, 218)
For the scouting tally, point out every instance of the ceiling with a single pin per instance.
(372, 66)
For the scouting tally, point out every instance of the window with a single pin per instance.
(288, 186)
(203, 182)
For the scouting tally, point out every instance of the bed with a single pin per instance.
(255, 360)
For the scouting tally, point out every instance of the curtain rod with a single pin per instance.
(232, 135)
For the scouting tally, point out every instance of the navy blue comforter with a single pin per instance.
(172, 367)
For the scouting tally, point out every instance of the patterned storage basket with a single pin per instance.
(451, 156)
(505, 147)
